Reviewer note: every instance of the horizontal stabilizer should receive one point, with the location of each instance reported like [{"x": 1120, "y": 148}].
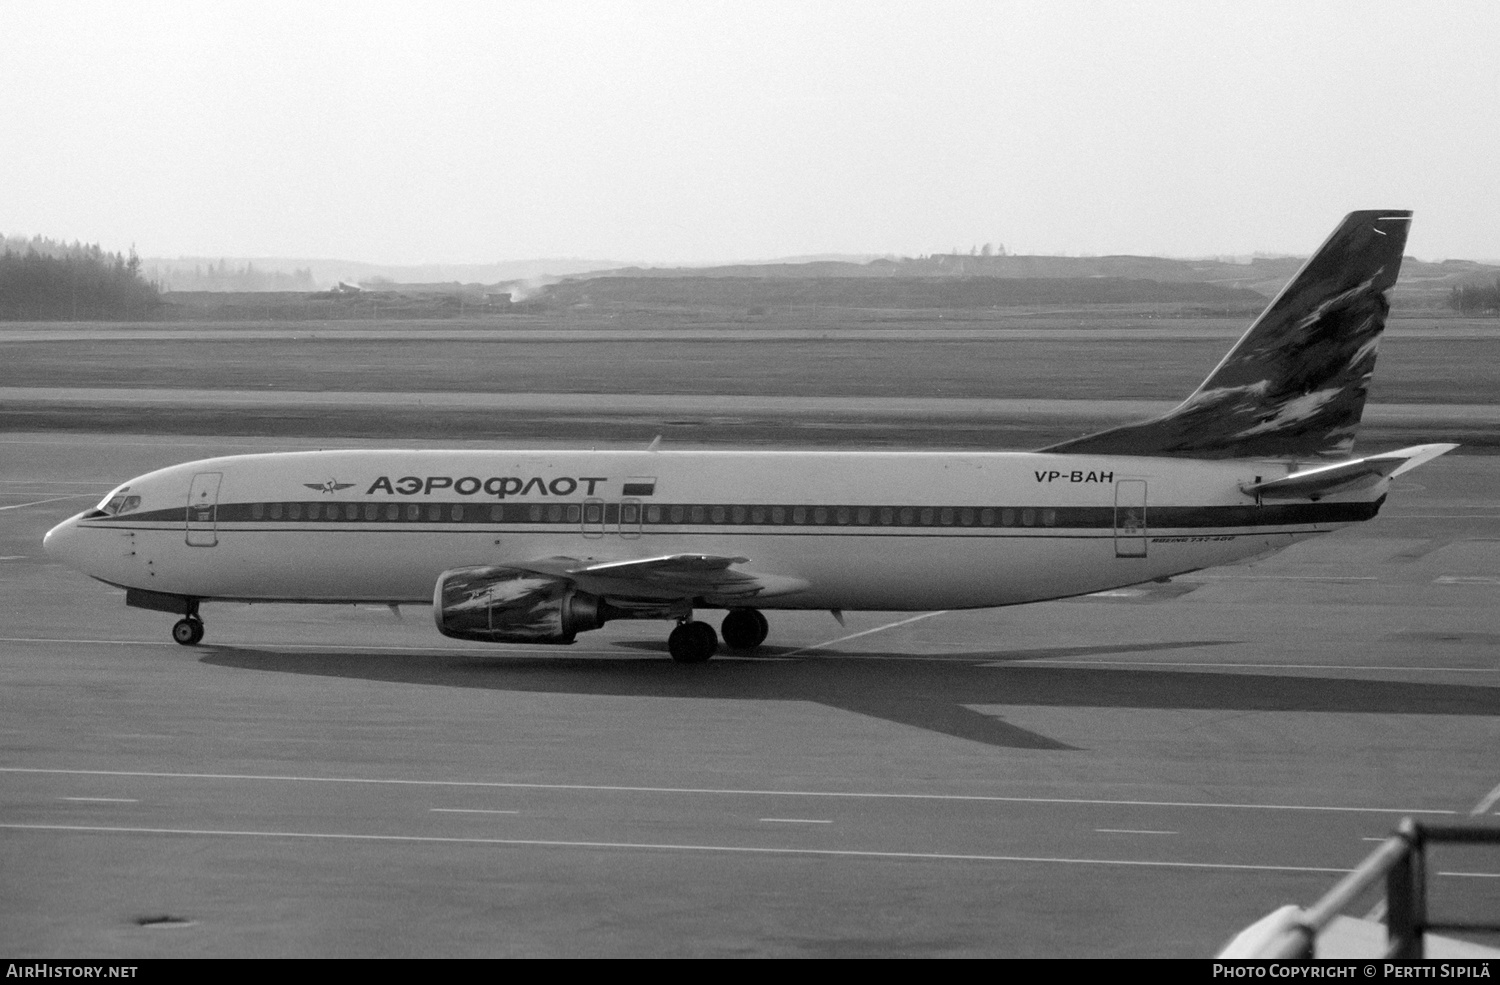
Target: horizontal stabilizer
[{"x": 1348, "y": 476}]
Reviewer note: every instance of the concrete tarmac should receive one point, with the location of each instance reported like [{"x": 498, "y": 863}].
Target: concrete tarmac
[{"x": 1142, "y": 772}]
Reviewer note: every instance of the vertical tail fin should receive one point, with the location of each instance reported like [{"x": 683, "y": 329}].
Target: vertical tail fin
[{"x": 1295, "y": 383}]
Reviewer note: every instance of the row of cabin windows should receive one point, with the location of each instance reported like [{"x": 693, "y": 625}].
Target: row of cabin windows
[
  {"x": 632, "y": 513},
  {"x": 863, "y": 516}
]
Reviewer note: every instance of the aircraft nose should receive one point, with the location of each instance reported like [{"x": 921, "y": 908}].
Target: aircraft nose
[{"x": 61, "y": 542}]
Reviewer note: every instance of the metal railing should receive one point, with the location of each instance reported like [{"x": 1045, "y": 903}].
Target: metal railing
[{"x": 1402, "y": 862}]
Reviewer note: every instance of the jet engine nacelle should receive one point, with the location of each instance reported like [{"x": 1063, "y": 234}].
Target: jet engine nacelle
[{"x": 496, "y": 604}]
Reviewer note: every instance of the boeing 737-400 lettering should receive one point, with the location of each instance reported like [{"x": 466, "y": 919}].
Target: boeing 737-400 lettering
[{"x": 536, "y": 547}]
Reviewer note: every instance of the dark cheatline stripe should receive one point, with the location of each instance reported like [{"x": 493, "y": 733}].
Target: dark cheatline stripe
[{"x": 768, "y": 515}]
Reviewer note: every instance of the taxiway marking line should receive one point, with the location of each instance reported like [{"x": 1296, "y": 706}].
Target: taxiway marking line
[
  {"x": 793, "y": 820},
  {"x": 103, "y": 800},
  {"x": 54, "y": 499},
  {"x": 1180, "y": 663},
  {"x": 1131, "y": 831},
  {"x": 867, "y": 632},
  {"x": 1205, "y": 576},
  {"x": 13, "y": 557},
  {"x": 467, "y": 810},
  {"x": 1488, "y": 801},
  {"x": 454, "y": 651},
  {"x": 610, "y": 788},
  {"x": 667, "y": 846},
  {"x": 1472, "y": 875}
]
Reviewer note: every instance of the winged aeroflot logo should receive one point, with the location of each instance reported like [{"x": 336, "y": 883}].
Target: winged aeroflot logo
[{"x": 331, "y": 486}]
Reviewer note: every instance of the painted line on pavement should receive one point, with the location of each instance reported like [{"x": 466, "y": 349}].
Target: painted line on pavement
[
  {"x": 54, "y": 499},
  {"x": 1260, "y": 666},
  {"x": 611, "y": 788},
  {"x": 855, "y": 636},
  {"x": 1486, "y": 802},
  {"x": 668, "y": 846}
]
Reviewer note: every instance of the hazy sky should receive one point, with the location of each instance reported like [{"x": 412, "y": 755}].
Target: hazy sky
[{"x": 656, "y": 131}]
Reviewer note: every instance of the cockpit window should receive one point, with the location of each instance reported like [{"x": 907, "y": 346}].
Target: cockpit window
[{"x": 119, "y": 502}]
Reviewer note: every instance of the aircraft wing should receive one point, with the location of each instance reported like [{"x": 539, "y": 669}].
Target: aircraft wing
[
  {"x": 668, "y": 576},
  {"x": 1346, "y": 476}
]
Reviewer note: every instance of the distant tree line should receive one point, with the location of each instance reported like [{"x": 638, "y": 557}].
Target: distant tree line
[
  {"x": 1473, "y": 299},
  {"x": 45, "y": 280},
  {"x": 222, "y": 276}
]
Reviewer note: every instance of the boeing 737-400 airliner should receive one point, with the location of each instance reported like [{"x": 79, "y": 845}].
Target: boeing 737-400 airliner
[{"x": 536, "y": 547}]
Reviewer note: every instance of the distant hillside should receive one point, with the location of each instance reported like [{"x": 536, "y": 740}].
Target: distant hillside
[
  {"x": 188, "y": 272},
  {"x": 749, "y": 293},
  {"x": 1422, "y": 283}
]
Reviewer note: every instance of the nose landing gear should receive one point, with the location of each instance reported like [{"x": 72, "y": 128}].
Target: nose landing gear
[{"x": 188, "y": 631}]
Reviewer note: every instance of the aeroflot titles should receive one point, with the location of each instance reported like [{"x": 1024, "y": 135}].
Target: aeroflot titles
[
  {"x": 497, "y": 486},
  {"x": 510, "y": 485}
]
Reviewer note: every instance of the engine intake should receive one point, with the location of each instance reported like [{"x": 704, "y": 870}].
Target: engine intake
[{"x": 496, "y": 604}]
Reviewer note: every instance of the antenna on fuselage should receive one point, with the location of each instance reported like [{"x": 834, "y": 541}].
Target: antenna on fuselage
[{"x": 655, "y": 443}]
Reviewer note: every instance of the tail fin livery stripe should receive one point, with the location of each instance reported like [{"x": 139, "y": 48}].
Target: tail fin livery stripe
[{"x": 1295, "y": 383}]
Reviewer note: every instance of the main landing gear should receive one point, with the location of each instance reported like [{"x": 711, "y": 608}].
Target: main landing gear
[
  {"x": 693, "y": 642},
  {"x": 744, "y": 629},
  {"x": 188, "y": 630}
]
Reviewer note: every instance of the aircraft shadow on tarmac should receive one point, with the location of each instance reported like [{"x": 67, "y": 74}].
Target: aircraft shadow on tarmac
[{"x": 927, "y": 693}]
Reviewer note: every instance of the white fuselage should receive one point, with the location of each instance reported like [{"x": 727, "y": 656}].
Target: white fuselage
[{"x": 851, "y": 530}]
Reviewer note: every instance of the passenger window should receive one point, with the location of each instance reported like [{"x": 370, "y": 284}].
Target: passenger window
[
  {"x": 535, "y": 512},
  {"x": 313, "y": 510},
  {"x": 351, "y": 511},
  {"x": 574, "y": 512},
  {"x": 863, "y": 517},
  {"x": 413, "y": 511},
  {"x": 927, "y": 516},
  {"x": 434, "y": 512},
  {"x": 555, "y": 513},
  {"x": 653, "y": 514},
  {"x": 946, "y": 516},
  {"x": 294, "y": 511},
  {"x": 758, "y": 514},
  {"x": 696, "y": 514},
  {"x": 372, "y": 511},
  {"x": 887, "y": 515},
  {"x": 987, "y": 517},
  {"x": 593, "y": 513},
  {"x": 458, "y": 511},
  {"x": 718, "y": 514},
  {"x": 1008, "y": 518},
  {"x": 907, "y": 516},
  {"x": 392, "y": 511},
  {"x": 497, "y": 512},
  {"x": 1028, "y": 518},
  {"x": 276, "y": 511},
  {"x": 966, "y": 517},
  {"x": 1049, "y": 518},
  {"x": 257, "y": 511},
  {"x": 778, "y": 514},
  {"x": 799, "y": 514},
  {"x": 820, "y": 515}
]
